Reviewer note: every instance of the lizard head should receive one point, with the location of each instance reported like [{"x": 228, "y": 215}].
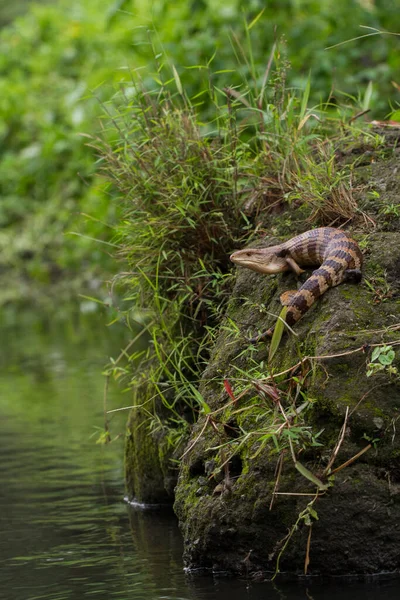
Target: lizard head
[{"x": 263, "y": 260}]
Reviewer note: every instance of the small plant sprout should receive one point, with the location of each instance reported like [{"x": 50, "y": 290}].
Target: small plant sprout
[{"x": 382, "y": 360}]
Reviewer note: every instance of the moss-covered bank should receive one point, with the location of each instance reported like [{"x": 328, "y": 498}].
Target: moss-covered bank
[
  {"x": 356, "y": 530},
  {"x": 231, "y": 515}
]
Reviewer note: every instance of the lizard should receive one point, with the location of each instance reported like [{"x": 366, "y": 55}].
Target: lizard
[{"x": 338, "y": 256}]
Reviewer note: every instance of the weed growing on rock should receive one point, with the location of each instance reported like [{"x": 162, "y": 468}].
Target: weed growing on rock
[{"x": 382, "y": 360}]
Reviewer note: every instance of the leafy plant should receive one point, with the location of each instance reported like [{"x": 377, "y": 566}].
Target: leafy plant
[
  {"x": 391, "y": 210},
  {"x": 380, "y": 287},
  {"x": 382, "y": 360}
]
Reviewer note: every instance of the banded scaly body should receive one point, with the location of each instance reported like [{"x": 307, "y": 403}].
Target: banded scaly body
[{"x": 338, "y": 255}]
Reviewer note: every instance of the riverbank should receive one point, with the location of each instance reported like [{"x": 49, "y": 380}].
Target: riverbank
[{"x": 241, "y": 470}]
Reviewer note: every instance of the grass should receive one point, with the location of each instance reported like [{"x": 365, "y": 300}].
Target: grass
[{"x": 183, "y": 215}]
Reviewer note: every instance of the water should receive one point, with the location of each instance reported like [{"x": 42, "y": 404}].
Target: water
[{"x": 65, "y": 531}]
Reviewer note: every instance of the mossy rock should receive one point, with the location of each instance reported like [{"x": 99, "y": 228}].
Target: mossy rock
[
  {"x": 228, "y": 521},
  {"x": 150, "y": 474}
]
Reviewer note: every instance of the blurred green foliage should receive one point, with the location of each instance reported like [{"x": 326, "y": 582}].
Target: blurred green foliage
[
  {"x": 193, "y": 30},
  {"x": 59, "y": 60},
  {"x": 51, "y": 60},
  {"x": 10, "y": 10}
]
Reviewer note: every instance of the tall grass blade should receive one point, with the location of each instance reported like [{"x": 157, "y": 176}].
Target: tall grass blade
[
  {"x": 177, "y": 80},
  {"x": 256, "y": 18},
  {"x": 305, "y": 97},
  {"x": 367, "y": 96},
  {"x": 278, "y": 332}
]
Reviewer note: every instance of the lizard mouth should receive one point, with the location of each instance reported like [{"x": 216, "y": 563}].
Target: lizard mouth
[{"x": 269, "y": 268}]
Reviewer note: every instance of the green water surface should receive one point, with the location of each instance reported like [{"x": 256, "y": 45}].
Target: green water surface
[{"x": 66, "y": 532}]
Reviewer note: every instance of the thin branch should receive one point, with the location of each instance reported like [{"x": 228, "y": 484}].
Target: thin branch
[
  {"x": 352, "y": 459},
  {"x": 307, "y": 559},
  {"x": 295, "y": 494},
  {"x": 106, "y": 424},
  {"x": 339, "y": 443},
  {"x": 192, "y": 445},
  {"x": 278, "y": 476}
]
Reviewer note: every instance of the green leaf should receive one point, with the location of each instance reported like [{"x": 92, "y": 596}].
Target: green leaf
[
  {"x": 367, "y": 96},
  {"x": 278, "y": 332},
  {"x": 94, "y": 300},
  {"x": 276, "y": 444},
  {"x": 306, "y": 95},
  {"x": 386, "y": 359},
  {"x": 254, "y": 21},
  {"x": 313, "y": 513},
  {"x": 395, "y": 116},
  {"x": 310, "y": 476},
  {"x": 374, "y": 368},
  {"x": 177, "y": 80},
  {"x": 376, "y": 353},
  {"x": 199, "y": 398}
]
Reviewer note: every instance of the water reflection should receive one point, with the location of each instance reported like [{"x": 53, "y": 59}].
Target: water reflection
[{"x": 65, "y": 531}]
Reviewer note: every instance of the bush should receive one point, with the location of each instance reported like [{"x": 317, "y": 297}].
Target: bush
[{"x": 52, "y": 62}]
